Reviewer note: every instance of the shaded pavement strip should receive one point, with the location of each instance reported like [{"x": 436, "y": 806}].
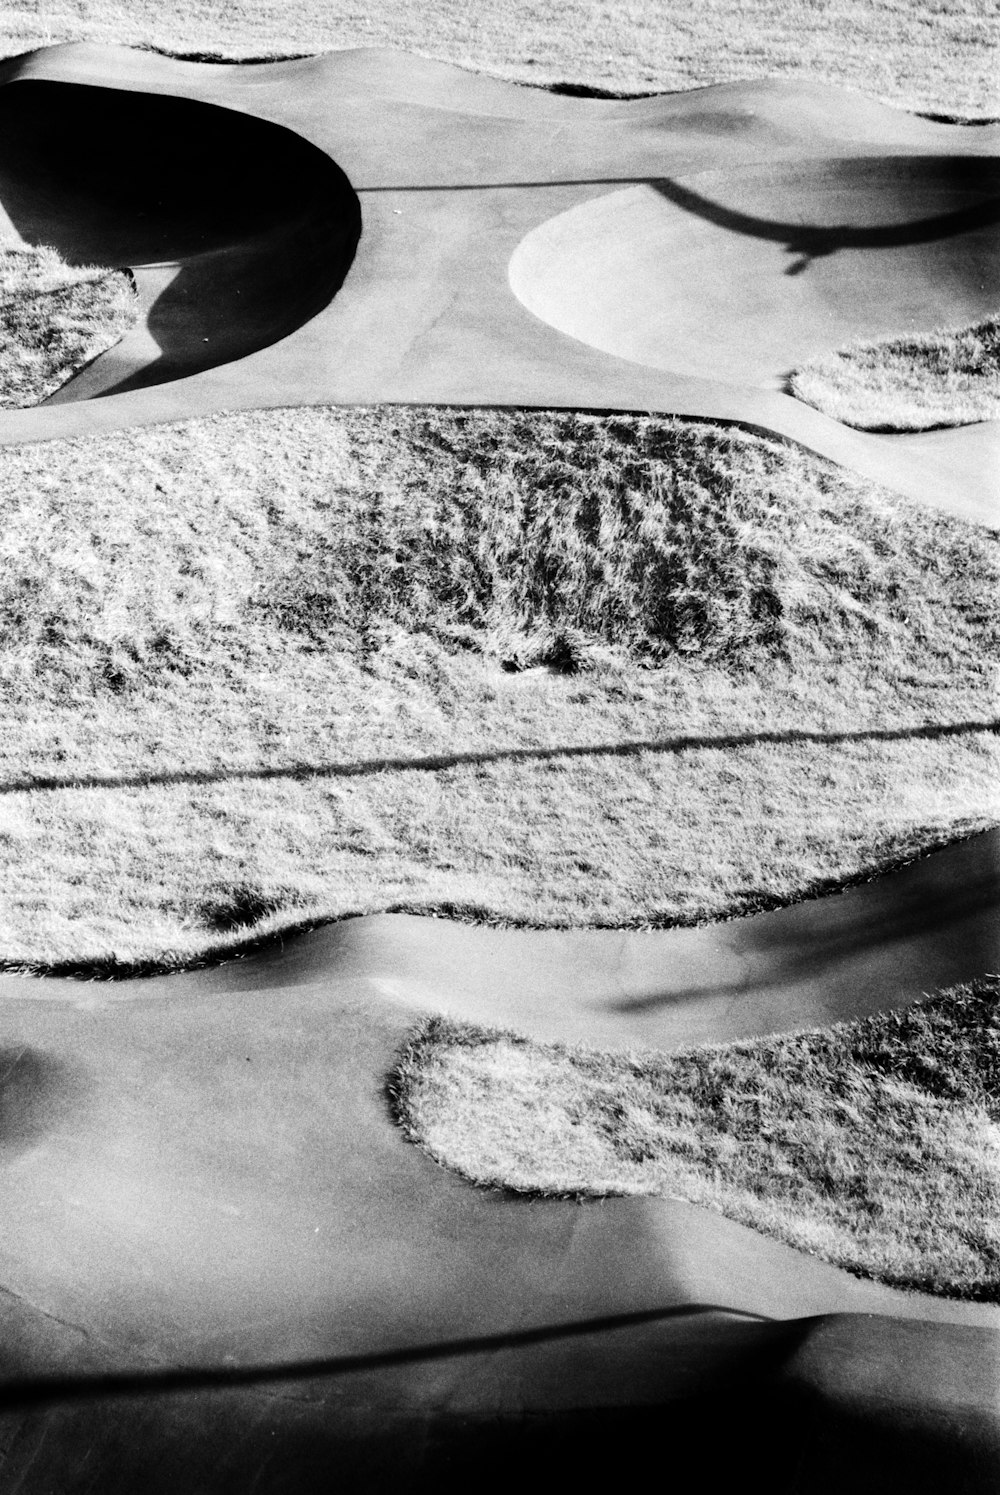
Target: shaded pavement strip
[
  {"x": 36, "y": 1390},
  {"x": 437, "y": 762}
]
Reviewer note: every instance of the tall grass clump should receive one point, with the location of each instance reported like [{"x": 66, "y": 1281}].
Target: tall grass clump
[
  {"x": 56, "y": 318},
  {"x": 527, "y": 536},
  {"x": 943, "y": 378},
  {"x": 538, "y": 535}
]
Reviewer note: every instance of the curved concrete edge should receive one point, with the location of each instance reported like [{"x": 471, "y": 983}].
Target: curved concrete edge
[
  {"x": 752, "y": 271},
  {"x": 161, "y": 1208},
  {"x": 879, "y": 946},
  {"x": 406, "y": 77},
  {"x": 874, "y": 947},
  {"x": 451, "y": 182},
  {"x": 244, "y": 1210},
  {"x": 246, "y": 1202},
  {"x": 191, "y": 1115},
  {"x": 187, "y": 1181}
]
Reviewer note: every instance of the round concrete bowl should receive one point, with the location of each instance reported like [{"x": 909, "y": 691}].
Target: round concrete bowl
[
  {"x": 238, "y": 231},
  {"x": 741, "y": 276}
]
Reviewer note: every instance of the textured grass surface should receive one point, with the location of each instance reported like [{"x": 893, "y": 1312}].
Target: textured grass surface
[
  {"x": 253, "y": 673},
  {"x": 54, "y": 319},
  {"x": 939, "y": 57},
  {"x": 909, "y": 383},
  {"x": 874, "y": 1145}
]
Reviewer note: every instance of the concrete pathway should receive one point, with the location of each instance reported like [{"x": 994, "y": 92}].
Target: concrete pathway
[
  {"x": 676, "y": 254},
  {"x": 221, "y": 1267}
]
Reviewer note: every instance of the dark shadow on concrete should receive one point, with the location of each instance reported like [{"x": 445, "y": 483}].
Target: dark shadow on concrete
[
  {"x": 814, "y": 241},
  {"x": 498, "y": 186},
  {"x": 769, "y": 1436},
  {"x": 442, "y": 761},
  {"x": 35, "y": 1390},
  {"x": 261, "y": 225},
  {"x": 811, "y": 944},
  {"x": 763, "y": 1436}
]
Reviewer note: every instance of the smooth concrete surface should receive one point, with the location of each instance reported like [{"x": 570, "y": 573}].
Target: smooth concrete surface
[
  {"x": 757, "y": 270},
  {"x": 465, "y": 183},
  {"x": 223, "y": 1268},
  {"x": 879, "y": 946}
]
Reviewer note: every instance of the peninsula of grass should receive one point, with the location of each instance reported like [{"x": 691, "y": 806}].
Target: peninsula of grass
[
  {"x": 874, "y": 1145},
  {"x": 56, "y": 318},
  {"x": 523, "y": 667},
  {"x": 908, "y": 383}
]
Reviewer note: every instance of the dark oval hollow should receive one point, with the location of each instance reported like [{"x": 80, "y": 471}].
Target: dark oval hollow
[
  {"x": 37, "y": 1091},
  {"x": 239, "y": 231}
]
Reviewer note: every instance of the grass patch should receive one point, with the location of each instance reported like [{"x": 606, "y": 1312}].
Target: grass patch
[
  {"x": 874, "y": 1145},
  {"x": 527, "y": 667},
  {"x": 935, "y": 58},
  {"x": 908, "y": 383},
  {"x": 55, "y": 319}
]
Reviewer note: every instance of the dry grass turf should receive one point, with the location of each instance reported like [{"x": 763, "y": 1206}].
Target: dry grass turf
[
  {"x": 939, "y": 58},
  {"x": 527, "y": 667},
  {"x": 944, "y": 378},
  {"x": 54, "y": 319},
  {"x": 874, "y": 1145}
]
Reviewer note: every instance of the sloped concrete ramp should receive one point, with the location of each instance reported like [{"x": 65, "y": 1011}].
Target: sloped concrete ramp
[
  {"x": 224, "y": 1269},
  {"x": 674, "y": 254},
  {"x": 221, "y": 1267}
]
